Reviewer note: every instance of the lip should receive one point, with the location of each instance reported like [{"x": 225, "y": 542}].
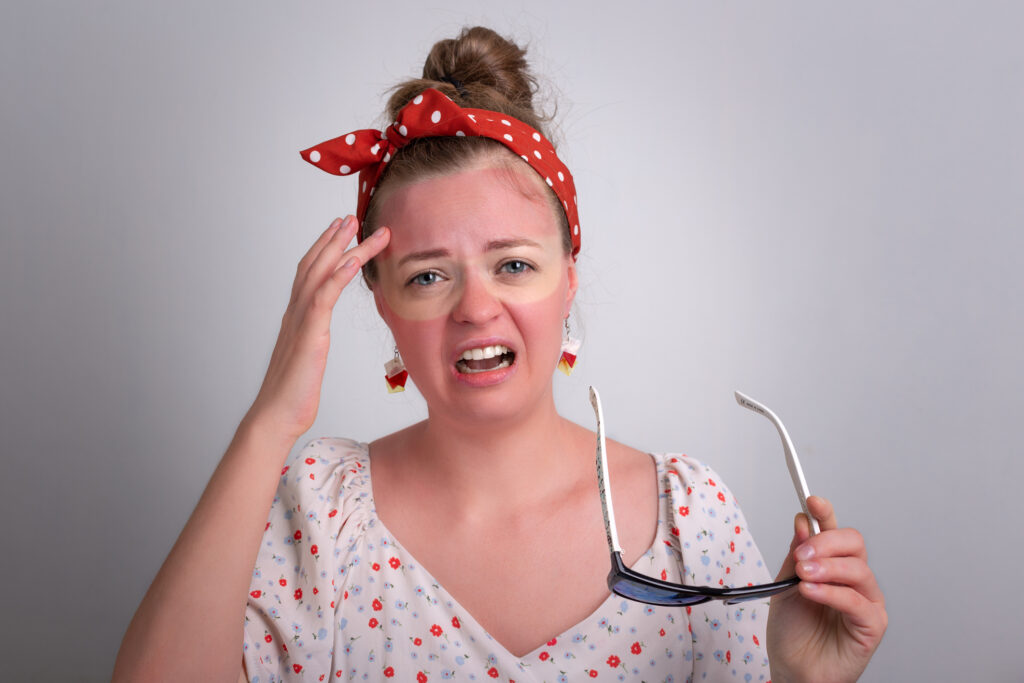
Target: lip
[{"x": 491, "y": 377}]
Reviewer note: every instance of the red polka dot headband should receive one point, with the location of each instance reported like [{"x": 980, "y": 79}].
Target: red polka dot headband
[{"x": 434, "y": 114}]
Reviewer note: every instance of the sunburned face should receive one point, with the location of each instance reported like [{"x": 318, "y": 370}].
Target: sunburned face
[{"x": 474, "y": 285}]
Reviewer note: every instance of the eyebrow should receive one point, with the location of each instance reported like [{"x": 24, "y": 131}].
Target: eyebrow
[{"x": 493, "y": 245}]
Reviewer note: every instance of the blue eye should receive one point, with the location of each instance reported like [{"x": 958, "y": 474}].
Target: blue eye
[
  {"x": 425, "y": 279},
  {"x": 515, "y": 267}
]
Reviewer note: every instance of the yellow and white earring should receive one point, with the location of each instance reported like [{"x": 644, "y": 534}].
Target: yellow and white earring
[
  {"x": 570, "y": 349},
  {"x": 395, "y": 374}
]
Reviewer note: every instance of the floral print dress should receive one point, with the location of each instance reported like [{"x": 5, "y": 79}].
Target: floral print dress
[{"x": 334, "y": 596}]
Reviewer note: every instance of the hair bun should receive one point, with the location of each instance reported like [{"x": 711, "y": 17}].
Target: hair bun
[{"x": 491, "y": 72}]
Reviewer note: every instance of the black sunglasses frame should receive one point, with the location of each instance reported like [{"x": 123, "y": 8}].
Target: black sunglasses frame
[{"x": 638, "y": 587}]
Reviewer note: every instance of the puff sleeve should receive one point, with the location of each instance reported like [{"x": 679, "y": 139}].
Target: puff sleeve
[
  {"x": 716, "y": 548},
  {"x": 289, "y": 619}
]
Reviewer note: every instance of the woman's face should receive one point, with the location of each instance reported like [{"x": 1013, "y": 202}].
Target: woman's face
[{"x": 474, "y": 285}]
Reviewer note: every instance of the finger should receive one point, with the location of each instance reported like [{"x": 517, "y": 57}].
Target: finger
[
  {"x": 341, "y": 277},
  {"x": 328, "y": 259},
  {"x": 833, "y": 543},
  {"x": 371, "y": 246},
  {"x": 313, "y": 252},
  {"x": 842, "y": 571},
  {"x": 801, "y": 532},
  {"x": 862, "y": 614},
  {"x": 822, "y": 510}
]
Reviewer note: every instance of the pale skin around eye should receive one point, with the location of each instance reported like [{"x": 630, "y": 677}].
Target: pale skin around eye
[{"x": 523, "y": 271}]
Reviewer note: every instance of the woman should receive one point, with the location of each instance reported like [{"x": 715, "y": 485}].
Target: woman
[{"x": 476, "y": 548}]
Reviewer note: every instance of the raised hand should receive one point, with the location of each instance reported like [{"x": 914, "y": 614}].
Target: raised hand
[
  {"x": 827, "y": 629},
  {"x": 289, "y": 398}
]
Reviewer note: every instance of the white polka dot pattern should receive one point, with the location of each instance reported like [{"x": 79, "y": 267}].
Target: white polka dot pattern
[{"x": 432, "y": 114}]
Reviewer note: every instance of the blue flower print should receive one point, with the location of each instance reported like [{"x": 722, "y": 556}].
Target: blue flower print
[
  {"x": 715, "y": 624},
  {"x": 322, "y": 634},
  {"x": 705, "y": 560},
  {"x": 603, "y": 623},
  {"x": 719, "y": 656}
]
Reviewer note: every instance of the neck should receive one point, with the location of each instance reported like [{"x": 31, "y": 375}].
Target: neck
[{"x": 488, "y": 471}]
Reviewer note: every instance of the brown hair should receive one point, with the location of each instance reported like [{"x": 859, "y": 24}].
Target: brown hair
[{"x": 491, "y": 73}]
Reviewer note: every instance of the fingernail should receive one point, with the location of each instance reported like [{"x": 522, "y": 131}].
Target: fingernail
[
  {"x": 347, "y": 223},
  {"x": 804, "y": 552},
  {"x": 809, "y": 568},
  {"x": 380, "y": 232}
]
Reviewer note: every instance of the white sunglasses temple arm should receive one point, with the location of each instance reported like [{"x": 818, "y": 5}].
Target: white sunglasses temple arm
[
  {"x": 602, "y": 477},
  {"x": 792, "y": 462}
]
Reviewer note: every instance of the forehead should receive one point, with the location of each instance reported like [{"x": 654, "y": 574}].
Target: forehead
[{"x": 468, "y": 208}]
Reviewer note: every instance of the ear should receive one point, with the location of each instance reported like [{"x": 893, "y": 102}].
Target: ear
[{"x": 574, "y": 283}]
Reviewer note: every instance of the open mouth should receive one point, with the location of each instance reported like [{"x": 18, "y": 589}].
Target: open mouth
[{"x": 485, "y": 359}]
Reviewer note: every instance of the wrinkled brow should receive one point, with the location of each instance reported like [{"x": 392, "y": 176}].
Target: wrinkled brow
[{"x": 493, "y": 245}]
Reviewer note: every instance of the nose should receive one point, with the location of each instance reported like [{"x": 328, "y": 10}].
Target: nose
[{"x": 476, "y": 303}]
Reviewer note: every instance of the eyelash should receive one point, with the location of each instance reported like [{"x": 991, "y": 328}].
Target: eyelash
[{"x": 416, "y": 280}]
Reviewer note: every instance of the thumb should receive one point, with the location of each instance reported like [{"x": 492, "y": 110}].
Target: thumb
[{"x": 801, "y": 532}]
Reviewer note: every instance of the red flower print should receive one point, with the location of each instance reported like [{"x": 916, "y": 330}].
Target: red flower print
[
  {"x": 311, "y": 476},
  {"x": 313, "y": 550},
  {"x": 635, "y": 648},
  {"x": 737, "y": 529},
  {"x": 688, "y": 609},
  {"x": 373, "y": 622},
  {"x": 298, "y": 534},
  {"x": 492, "y": 672},
  {"x": 732, "y": 546},
  {"x": 721, "y": 496},
  {"x": 593, "y": 673},
  {"x": 268, "y": 638},
  {"x": 285, "y": 469},
  {"x": 395, "y": 563},
  {"x": 417, "y": 642},
  {"x": 664, "y": 575},
  {"x": 283, "y": 582},
  {"x": 310, "y": 461},
  {"x": 435, "y": 630},
  {"x": 613, "y": 661},
  {"x": 332, "y": 512},
  {"x": 376, "y": 567},
  {"x": 256, "y": 594},
  {"x": 552, "y": 642},
  {"x": 284, "y": 647},
  {"x": 346, "y": 596},
  {"x": 728, "y": 570},
  {"x": 267, "y": 526},
  {"x": 421, "y": 677},
  {"x": 544, "y": 656},
  {"x": 455, "y": 622},
  {"x": 689, "y": 490},
  {"x": 298, "y": 593},
  {"x": 675, "y": 531},
  {"x": 377, "y": 606},
  {"x": 296, "y": 668},
  {"x": 315, "y": 590},
  {"x": 684, "y": 510},
  {"x": 711, "y": 481},
  {"x": 756, "y": 641},
  {"x": 389, "y": 672},
  {"x": 332, "y": 604},
  {"x": 337, "y": 674},
  {"x": 661, "y": 632}
]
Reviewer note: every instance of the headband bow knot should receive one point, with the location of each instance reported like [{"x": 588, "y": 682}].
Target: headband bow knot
[{"x": 434, "y": 114}]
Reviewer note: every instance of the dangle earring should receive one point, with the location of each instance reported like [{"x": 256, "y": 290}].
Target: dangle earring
[
  {"x": 395, "y": 374},
  {"x": 570, "y": 348}
]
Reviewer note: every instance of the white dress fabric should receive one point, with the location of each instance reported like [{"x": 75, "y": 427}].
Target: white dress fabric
[{"x": 335, "y": 596}]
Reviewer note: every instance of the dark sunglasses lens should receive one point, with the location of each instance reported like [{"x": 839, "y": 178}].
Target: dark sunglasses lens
[{"x": 654, "y": 595}]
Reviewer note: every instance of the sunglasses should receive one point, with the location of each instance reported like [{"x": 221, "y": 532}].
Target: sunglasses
[{"x": 642, "y": 588}]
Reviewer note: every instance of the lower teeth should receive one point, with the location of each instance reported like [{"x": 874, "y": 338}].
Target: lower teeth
[{"x": 506, "y": 360}]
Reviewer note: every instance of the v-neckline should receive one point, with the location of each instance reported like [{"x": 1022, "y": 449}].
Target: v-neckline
[{"x": 400, "y": 547}]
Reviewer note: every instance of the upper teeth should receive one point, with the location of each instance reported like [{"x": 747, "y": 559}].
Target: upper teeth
[{"x": 484, "y": 352}]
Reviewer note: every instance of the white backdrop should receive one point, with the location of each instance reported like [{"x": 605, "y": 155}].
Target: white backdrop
[{"x": 820, "y": 205}]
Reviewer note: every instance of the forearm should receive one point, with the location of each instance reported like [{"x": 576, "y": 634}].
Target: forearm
[{"x": 189, "y": 624}]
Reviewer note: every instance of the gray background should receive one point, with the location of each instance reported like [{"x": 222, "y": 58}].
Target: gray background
[{"x": 818, "y": 204}]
